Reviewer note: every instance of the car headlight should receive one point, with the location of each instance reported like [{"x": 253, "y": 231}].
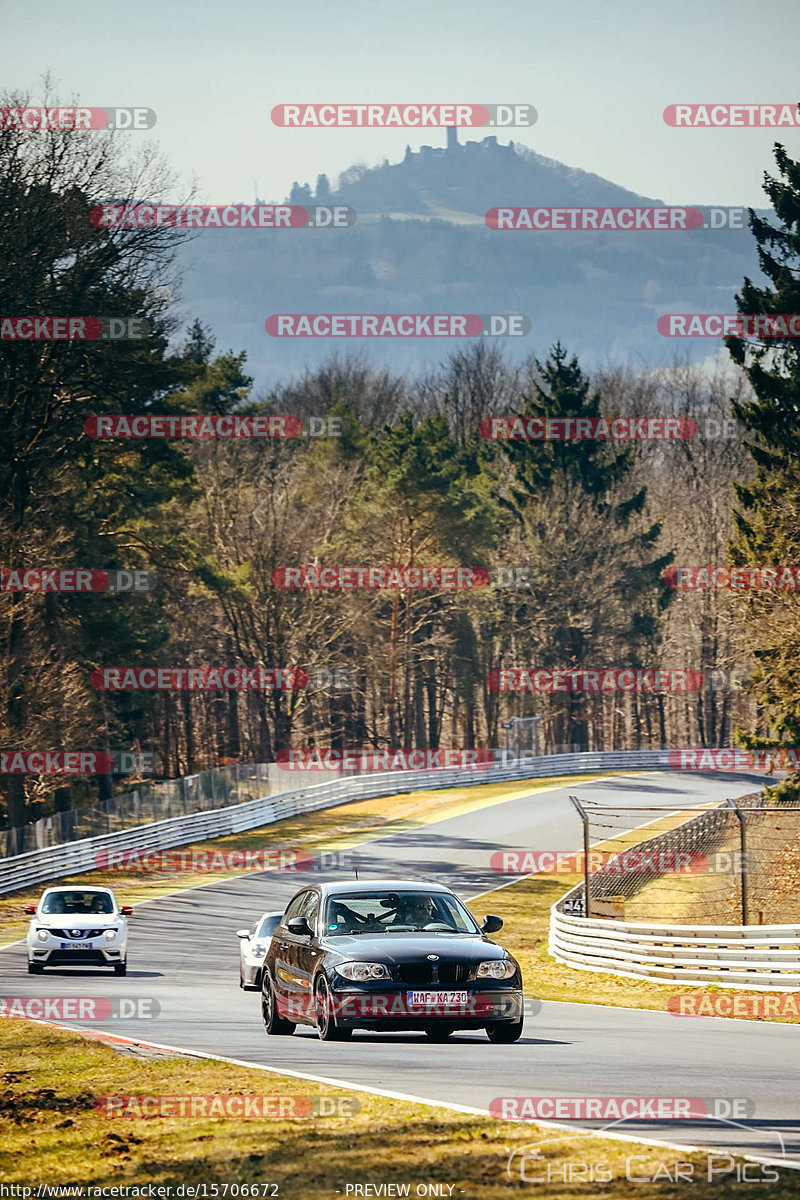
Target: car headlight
[
  {"x": 42, "y": 935},
  {"x": 497, "y": 968},
  {"x": 110, "y": 934},
  {"x": 360, "y": 972}
]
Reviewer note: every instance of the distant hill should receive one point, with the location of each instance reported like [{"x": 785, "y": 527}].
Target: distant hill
[
  {"x": 421, "y": 245},
  {"x": 469, "y": 180}
]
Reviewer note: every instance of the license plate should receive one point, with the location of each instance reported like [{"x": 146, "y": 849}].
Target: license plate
[
  {"x": 76, "y": 946},
  {"x": 436, "y": 999}
]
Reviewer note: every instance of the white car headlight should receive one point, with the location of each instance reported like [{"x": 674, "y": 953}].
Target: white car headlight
[
  {"x": 361, "y": 972},
  {"x": 110, "y": 934},
  {"x": 42, "y": 935},
  {"x": 496, "y": 968}
]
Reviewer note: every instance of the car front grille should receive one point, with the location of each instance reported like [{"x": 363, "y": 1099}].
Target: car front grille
[
  {"x": 69, "y": 936},
  {"x": 453, "y": 972},
  {"x": 421, "y": 973},
  {"x": 76, "y": 956}
]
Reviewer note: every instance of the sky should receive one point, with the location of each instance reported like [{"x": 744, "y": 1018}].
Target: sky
[{"x": 599, "y": 76}]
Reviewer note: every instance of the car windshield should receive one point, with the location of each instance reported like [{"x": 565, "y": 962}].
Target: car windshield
[
  {"x": 267, "y": 926},
  {"x": 77, "y": 903},
  {"x": 396, "y": 912}
]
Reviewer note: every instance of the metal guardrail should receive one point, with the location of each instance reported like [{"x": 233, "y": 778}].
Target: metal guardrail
[
  {"x": 71, "y": 858},
  {"x": 765, "y": 957}
]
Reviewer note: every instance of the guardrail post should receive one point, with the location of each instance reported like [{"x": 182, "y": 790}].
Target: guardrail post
[
  {"x": 584, "y": 816},
  {"x": 743, "y": 854}
]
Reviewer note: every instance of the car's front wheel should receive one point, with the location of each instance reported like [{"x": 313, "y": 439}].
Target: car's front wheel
[
  {"x": 327, "y": 1029},
  {"x": 35, "y": 968},
  {"x": 503, "y": 1032},
  {"x": 273, "y": 1024}
]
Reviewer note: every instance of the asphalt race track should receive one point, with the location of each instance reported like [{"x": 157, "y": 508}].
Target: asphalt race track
[{"x": 184, "y": 953}]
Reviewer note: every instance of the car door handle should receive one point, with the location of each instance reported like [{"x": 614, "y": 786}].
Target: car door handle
[{"x": 284, "y": 945}]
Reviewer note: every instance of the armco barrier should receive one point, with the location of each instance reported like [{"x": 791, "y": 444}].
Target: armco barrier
[
  {"x": 765, "y": 957},
  {"x": 70, "y": 858}
]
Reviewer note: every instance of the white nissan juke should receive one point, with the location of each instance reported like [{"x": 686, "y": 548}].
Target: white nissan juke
[{"x": 78, "y": 926}]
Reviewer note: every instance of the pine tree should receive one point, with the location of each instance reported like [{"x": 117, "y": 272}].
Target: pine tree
[{"x": 766, "y": 520}]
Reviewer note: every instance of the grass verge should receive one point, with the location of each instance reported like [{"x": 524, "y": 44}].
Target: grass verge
[{"x": 54, "y": 1135}]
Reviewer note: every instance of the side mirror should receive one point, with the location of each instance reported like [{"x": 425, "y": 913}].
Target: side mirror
[
  {"x": 491, "y": 923},
  {"x": 126, "y": 910},
  {"x": 243, "y": 933},
  {"x": 300, "y": 927},
  {"x": 30, "y": 909}
]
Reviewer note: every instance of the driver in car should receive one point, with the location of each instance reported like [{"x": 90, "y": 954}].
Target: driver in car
[{"x": 414, "y": 910}]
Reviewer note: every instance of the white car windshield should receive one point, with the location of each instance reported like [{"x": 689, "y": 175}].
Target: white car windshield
[
  {"x": 82, "y": 904},
  {"x": 267, "y": 927},
  {"x": 397, "y": 912}
]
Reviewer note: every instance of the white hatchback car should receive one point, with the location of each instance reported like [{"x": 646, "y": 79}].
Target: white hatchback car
[
  {"x": 253, "y": 945},
  {"x": 80, "y": 926}
]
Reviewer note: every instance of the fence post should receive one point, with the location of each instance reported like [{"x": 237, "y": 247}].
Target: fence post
[
  {"x": 585, "y": 819},
  {"x": 743, "y": 855}
]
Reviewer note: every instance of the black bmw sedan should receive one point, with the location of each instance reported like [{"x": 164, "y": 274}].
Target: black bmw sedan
[{"x": 388, "y": 956}]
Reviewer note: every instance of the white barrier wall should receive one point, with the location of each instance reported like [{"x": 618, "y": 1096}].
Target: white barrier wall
[
  {"x": 766, "y": 957},
  {"x": 70, "y": 858}
]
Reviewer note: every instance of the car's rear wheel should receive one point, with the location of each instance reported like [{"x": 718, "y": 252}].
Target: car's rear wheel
[
  {"x": 273, "y": 1024},
  {"x": 439, "y": 1033},
  {"x": 503, "y": 1032},
  {"x": 121, "y": 968},
  {"x": 325, "y": 1019},
  {"x": 35, "y": 968}
]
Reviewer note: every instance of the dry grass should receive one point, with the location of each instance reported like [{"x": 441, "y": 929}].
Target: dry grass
[{"x": 54, "y": 1135}]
